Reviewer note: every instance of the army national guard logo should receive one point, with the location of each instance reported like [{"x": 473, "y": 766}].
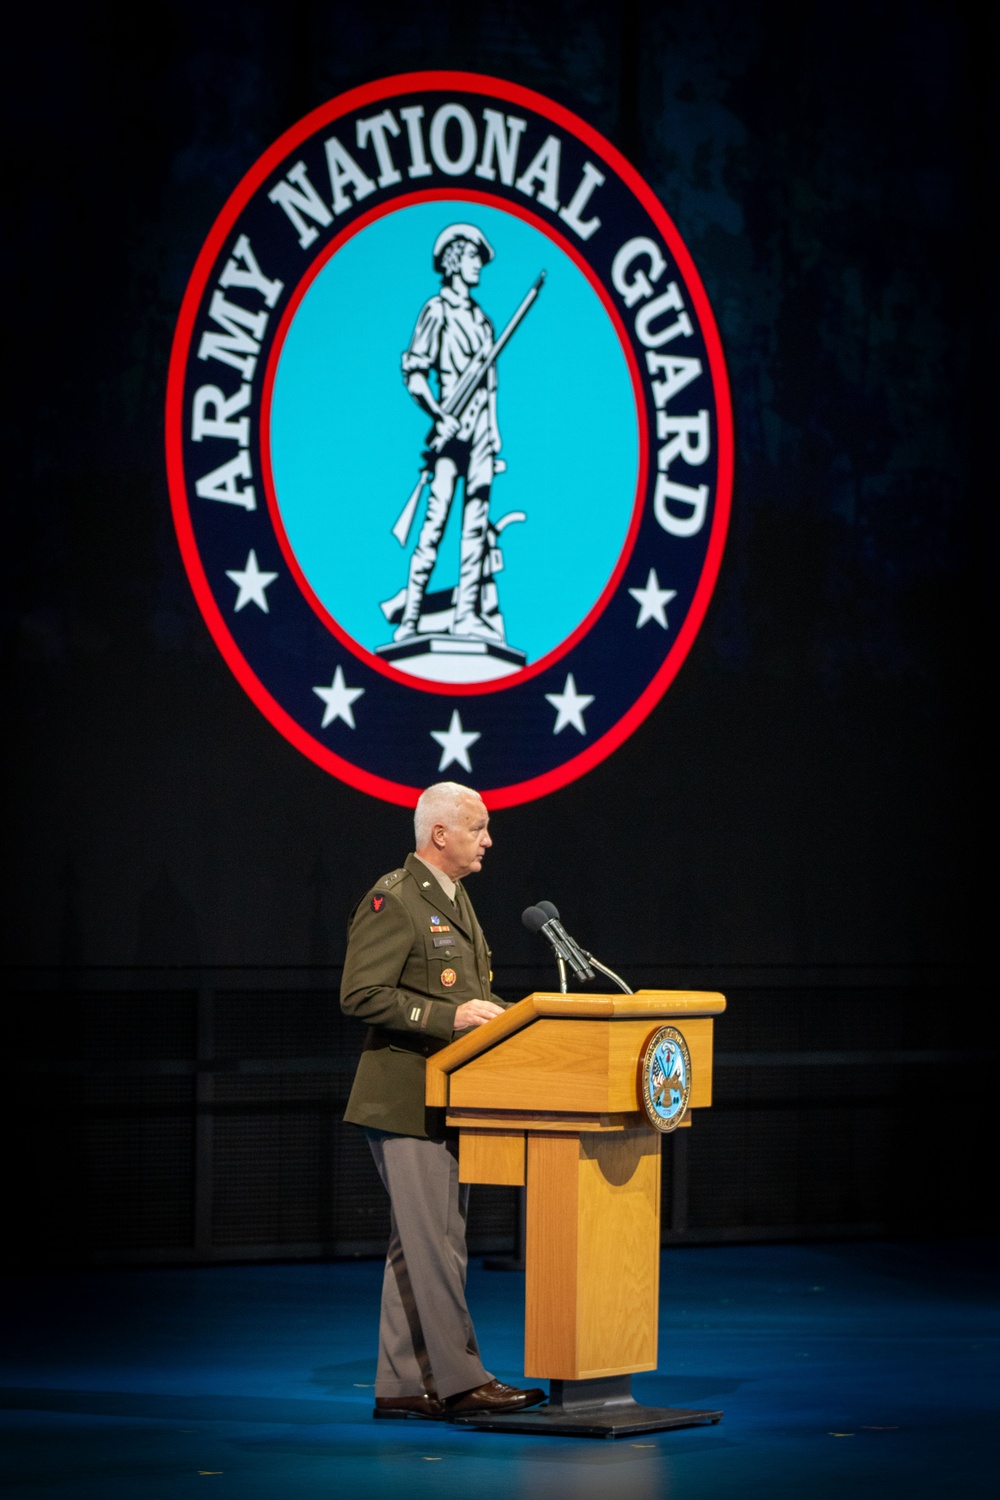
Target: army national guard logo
[
  {"x": 666, "y": 1078},
  {"x": 449, "y": 439}
]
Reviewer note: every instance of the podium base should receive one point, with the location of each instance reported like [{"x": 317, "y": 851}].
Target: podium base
[{"x": 590, "y": 1408}]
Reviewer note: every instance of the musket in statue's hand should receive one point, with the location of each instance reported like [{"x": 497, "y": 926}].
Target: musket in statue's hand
[{"x": 445, "y": 429}]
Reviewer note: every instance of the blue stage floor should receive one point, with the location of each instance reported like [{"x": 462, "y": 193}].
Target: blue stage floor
[{"x": 847, "y": 1370}]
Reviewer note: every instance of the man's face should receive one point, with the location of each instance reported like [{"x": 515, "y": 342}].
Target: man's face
[
  {"x": 466, "y": 839},
  {"x": 470, "y": 265}
]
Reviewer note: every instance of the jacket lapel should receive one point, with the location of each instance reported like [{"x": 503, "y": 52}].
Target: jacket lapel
[
  {"x": 472, "y": 928},
  {"x": 435, "y": 896}
]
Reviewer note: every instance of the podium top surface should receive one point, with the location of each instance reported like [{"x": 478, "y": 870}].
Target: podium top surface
[{"x": 645, "y": 1005}]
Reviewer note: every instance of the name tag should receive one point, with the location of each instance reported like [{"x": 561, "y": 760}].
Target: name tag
[{"x": 442, "y": 942}]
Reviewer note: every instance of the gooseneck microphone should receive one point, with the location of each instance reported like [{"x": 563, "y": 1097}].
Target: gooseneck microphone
[{"x": 544, "y": 917}]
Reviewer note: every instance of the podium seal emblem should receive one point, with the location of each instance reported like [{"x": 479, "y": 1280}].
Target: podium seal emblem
[
  {"x": 666, "y": 1078},
  {"x": 449, "y": 439}
]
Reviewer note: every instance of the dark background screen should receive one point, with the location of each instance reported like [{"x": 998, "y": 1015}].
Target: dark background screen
[{"x": 796, "y": 822}]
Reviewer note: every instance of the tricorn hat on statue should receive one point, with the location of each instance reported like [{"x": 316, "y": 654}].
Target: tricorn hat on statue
[{"x": 461, "y": 232}]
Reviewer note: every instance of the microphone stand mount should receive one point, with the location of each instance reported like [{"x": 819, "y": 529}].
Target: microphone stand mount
[
  {"x": 619, "y": 981},
  {"x": 595, "y": 963}
]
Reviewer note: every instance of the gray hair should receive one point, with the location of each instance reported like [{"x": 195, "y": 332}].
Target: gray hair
[{"x": 440, "y": 803}]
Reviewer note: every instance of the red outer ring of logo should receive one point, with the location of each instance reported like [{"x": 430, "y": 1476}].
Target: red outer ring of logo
[{"x": 326, "y": 759}]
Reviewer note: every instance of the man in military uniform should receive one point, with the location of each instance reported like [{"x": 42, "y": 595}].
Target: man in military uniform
[
  {"x": 418, "y": 971},
  {"x": 451, "y": 330}
]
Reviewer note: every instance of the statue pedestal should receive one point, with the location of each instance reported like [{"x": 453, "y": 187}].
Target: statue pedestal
[{"x": 452, "y": 658}]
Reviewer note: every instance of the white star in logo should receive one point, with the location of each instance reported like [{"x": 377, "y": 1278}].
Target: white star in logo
[
  {"x": 252, "y": 583},
  {"x": 338, "y": 698},
  {"x": 455, "y": 742},
  {"x": 652, "y": 601},
  {"x": 570, "y": 704}
]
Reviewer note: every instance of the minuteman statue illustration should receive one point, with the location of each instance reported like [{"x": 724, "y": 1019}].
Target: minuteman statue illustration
[{"x": 450, "y": 371}]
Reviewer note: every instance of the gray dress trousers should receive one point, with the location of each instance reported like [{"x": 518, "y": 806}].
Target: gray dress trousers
[{"x": 426, "y": 1338}]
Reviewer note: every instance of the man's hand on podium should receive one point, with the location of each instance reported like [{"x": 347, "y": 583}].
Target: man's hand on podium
[{"x": 475, "y": 1013}]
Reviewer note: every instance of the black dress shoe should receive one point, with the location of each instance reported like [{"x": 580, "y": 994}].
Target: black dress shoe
[
  {"x": 491, "y": 1397},
  {"x": 428, "y": 1407}
]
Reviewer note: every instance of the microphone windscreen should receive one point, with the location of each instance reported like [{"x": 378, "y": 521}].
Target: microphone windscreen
[
  {"x": 551, "y": 912},
  {"x": 534, "y": 918}
]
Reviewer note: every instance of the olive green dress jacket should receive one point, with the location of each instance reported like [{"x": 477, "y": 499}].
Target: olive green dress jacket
[{"x": 413, "y": 957}]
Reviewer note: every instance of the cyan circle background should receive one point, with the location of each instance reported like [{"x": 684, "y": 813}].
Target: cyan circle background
[{"x": 346, "y": 436}]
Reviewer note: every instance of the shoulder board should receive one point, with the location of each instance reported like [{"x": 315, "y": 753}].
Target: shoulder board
[{"x": 386, "y": 883}]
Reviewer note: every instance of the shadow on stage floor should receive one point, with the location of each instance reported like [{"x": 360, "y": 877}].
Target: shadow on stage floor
[{"x": 850, "y": 1370}]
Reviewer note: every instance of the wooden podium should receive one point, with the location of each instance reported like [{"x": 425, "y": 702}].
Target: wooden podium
[{"x": 549, "y": 1096}]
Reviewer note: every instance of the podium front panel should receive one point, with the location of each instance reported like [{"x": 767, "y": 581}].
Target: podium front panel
[
  {"x": 592, "y": 1254},
  {"x": 575, "y": 1066}
]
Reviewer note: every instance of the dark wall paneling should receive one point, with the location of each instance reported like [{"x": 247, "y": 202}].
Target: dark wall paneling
[{"x": 833, "y": 1108}]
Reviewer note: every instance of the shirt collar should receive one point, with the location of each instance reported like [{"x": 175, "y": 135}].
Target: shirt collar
[
  {"x": 457, "y": 299},
  {"x": 443, "y": 880}
]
